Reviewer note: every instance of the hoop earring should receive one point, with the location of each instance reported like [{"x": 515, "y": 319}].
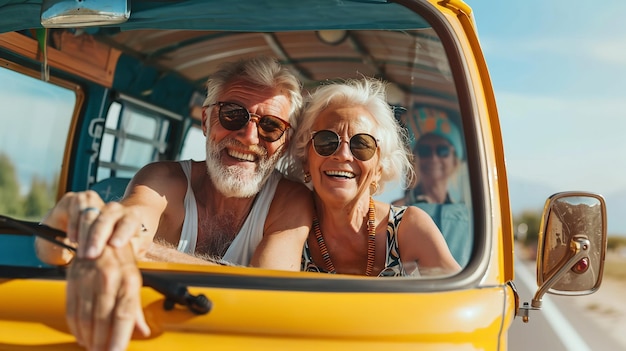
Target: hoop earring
[
  {"x": 307, "y": 177},
  {"x": 374, "y": 185}
]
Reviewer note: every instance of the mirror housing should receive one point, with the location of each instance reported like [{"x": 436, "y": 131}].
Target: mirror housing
[
  {"x": 572, "y": 245},
  {"x": 83, "y": 13}
]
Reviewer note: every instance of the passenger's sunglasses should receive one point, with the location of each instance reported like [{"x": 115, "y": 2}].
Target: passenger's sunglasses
[
  {"x": 426, "y": 151},
  {"x": 233, "y": 116},
  {"x": 326, "y": 142}
]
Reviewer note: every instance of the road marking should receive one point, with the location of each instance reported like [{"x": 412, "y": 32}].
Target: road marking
[{"x": 560, "y": 325}]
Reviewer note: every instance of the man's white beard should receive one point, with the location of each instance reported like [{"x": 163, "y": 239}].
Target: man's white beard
[{"x": 235, "y": 181}]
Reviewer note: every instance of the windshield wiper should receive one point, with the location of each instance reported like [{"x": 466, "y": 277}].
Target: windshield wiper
[{"x": 174, "y": 292}]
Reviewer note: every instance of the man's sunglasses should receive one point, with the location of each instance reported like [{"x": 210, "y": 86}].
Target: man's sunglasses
[
  {"x": 427, "y": 151},
  {"x": 326, "y": 142},
  {"x": 233, "y": 116}
]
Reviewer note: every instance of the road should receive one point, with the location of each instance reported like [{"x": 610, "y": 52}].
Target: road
[{"x": 560, "y": 325}]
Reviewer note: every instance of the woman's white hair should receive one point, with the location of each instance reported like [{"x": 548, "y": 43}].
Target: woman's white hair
[{"x": 395, "y": 155}]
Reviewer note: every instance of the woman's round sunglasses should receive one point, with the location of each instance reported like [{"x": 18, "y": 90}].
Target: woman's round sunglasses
[
  {"x": 326, "y": 142},
  {"x": 233, "y": 116}
]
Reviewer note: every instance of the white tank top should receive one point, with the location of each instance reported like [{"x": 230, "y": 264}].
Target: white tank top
[{"x": 243, "y": 246}]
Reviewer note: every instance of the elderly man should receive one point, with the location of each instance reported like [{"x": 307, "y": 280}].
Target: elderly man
[{"x": 234, "y": 207}]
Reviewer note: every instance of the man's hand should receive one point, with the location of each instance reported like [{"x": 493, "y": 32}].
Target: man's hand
[
  {"x": 103, "y": 299},
  {"x": 90, "y": 225}
]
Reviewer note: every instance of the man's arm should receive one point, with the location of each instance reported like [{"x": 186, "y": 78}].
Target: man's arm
[
  {"x": 162, "y": 251},
  {"x": 104, "y": 316},
  {"x": 103, "y": 302},
  {"x": 105, "y": 322},
  {"x": 133, "y": 220},
  {"x": 286, "y": 228}
]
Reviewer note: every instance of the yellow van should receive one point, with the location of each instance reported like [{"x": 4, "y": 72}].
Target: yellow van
[{"x": 93, "y": 90}]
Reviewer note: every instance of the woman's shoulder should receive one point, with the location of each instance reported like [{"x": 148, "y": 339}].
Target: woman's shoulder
[
  {"x": 413, "y": 210},
  {"x": 414, "y": 217}
]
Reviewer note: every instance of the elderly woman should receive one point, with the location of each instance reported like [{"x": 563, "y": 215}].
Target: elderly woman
[{"x": 349, "y": 145}]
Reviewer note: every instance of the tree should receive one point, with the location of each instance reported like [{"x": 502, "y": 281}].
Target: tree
[
  {"x": 54, "y": 188},
  {"x": 39, "y": 199},
  {"x": 532, "y": 220},
  {"x": 10, "y": 199}
]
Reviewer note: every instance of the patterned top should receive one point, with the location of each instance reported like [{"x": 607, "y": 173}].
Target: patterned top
[{"x": 393, "y": 264}]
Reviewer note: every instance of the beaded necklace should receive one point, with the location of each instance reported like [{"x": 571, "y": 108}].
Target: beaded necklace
[{"x": 371, "y": 241}]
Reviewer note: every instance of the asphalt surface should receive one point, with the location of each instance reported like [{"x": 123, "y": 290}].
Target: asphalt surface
[{"x": 560, "y": 325}]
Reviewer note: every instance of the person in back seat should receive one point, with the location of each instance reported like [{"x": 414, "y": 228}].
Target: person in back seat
[
  {"x": 234, "y": 207},
  {"x": 438, "y": 154}
]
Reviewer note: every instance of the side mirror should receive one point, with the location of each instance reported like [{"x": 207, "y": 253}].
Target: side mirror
[{"x": 572, "y": 246}]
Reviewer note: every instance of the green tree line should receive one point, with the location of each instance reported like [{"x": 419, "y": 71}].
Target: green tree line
[{"x": 40, "y": 197}]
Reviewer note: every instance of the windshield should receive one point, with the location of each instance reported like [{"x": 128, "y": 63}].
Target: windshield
[{"x": 149, "y": 109}]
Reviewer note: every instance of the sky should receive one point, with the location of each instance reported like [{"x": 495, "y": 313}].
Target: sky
[
  {"x": 50, "y": 114},
  {"x": 559, "y": 73}
]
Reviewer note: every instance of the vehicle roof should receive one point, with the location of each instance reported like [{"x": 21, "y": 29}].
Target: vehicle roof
[
  {"x": 190, "y": 39},
  {"x": 240, "y": 15}
]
